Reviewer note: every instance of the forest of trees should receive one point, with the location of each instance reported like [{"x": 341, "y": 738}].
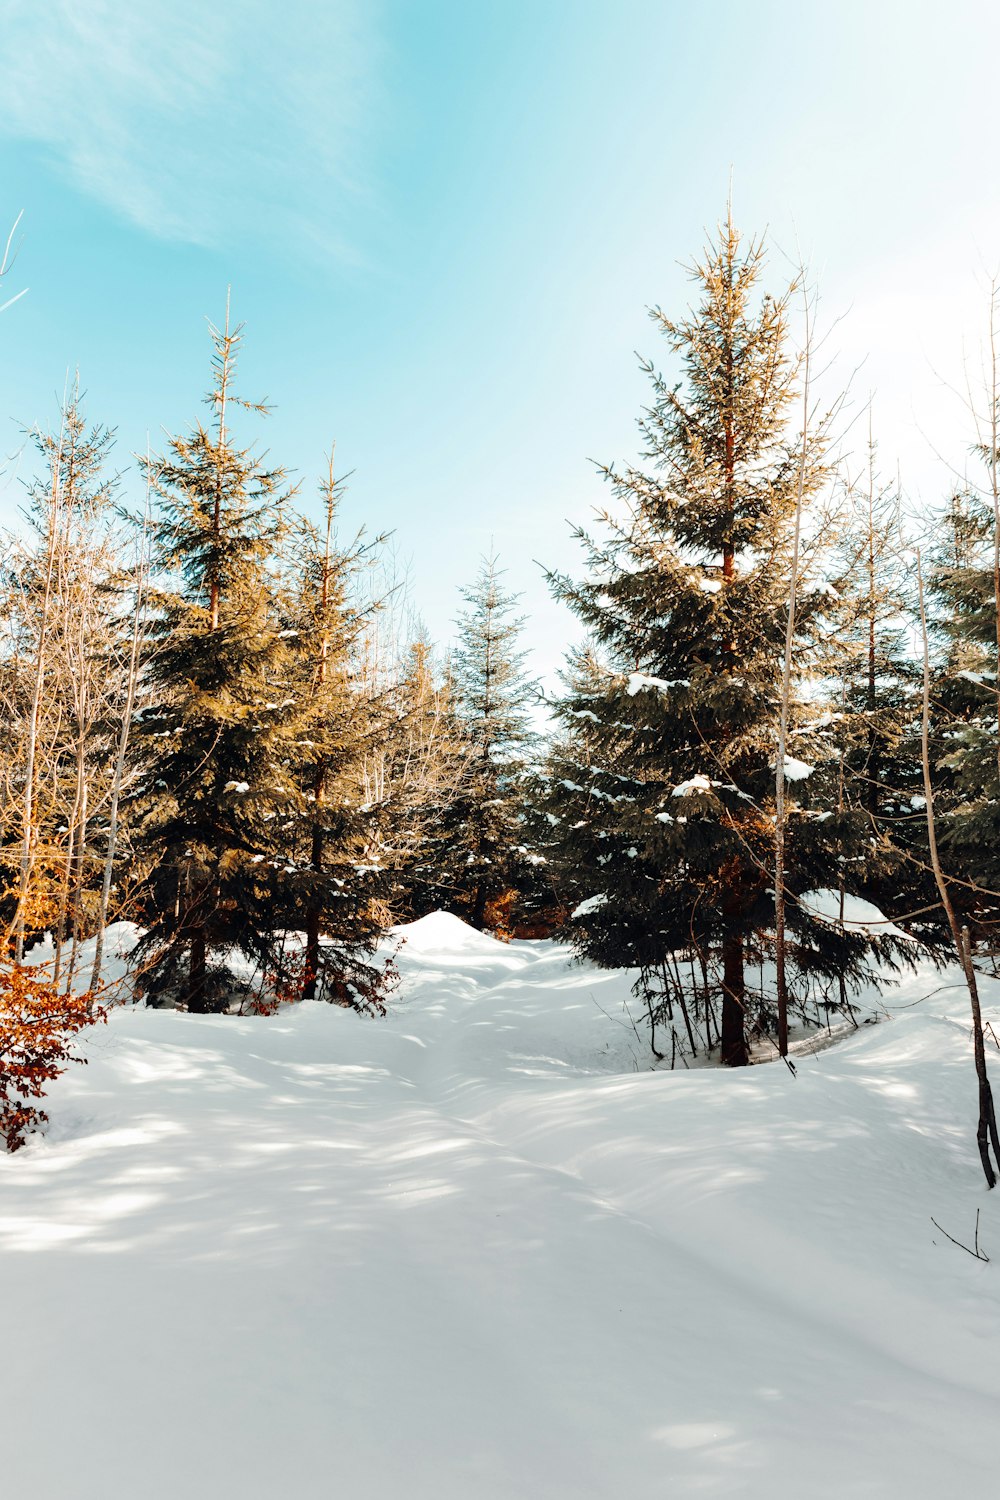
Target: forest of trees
[{"x": 220, "y": 723}]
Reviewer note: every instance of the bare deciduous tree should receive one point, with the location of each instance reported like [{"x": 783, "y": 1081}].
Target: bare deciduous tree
[{"x": 986, "y": 1132}]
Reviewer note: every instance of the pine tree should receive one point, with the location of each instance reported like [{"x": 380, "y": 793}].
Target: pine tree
[
  {"x": 965, "y": 707},
  {"x": 215, "y": 731},
  {"x": 484, "y": 827},
  {"x": 337, "y": 877},
  {"x": 870, "y": 781},
  {"x": 426, "y": 772},
  {"x": 963, "y": 710},
  {"x": 663, "y": 781}
]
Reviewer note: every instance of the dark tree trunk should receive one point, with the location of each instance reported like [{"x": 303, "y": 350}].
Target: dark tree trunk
[
  {"x": 314, "y": 914},
  {"x": 311, "y": 985},
  {"x": 734, "y": 1041},
  {"x": 197, "y": 997},
  {"x": 312, "y": 922},
  {"x": 986, "y": 1132}
]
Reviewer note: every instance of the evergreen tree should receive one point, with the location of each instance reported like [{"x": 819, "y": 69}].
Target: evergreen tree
[
  {"x": 427, "y": 768},
  {"x": 216, "y": 732},
  {"x": 663, "y": 780},
  {"x": 484, "y": 829},
  {"x": 963, "y": 729},
  {"x": 337, "y": 880},
  {"x": 965, "y": 711},
  {"x": 870, "y": 781}
]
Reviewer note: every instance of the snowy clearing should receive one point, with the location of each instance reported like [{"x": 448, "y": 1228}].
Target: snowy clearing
[{"x": 470, "y": 1252}]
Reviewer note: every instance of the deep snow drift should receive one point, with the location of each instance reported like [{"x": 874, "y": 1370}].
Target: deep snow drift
[{"x": 469, "y": 1252}]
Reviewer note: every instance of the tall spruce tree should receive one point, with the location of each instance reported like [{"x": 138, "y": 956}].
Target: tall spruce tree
[
  {"x": 663, "y": 779},
  {"x": 483, "y": 825},
  {"x": 216, "y": 730},
  {"x": 336, "y": 886}
]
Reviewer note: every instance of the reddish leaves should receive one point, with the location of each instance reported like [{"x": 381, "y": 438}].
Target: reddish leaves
[{"x": 36, "y": 1027}]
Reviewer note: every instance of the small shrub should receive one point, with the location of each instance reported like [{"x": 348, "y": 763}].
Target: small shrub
[{"x": 36, "y": 1027}]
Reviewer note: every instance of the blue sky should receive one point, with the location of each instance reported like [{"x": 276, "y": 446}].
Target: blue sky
[{"x": 443, "y": 223}]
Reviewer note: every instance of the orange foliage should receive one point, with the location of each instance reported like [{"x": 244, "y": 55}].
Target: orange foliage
[
  {"x": 498, "y": 918},
  {"x": 36, "y": 1026}
]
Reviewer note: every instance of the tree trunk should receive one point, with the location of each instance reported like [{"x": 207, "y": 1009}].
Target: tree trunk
[
  {"x": 874, "y": 769},
  {"x": 31, "y": 749},
  {"x": 313, "y": 917},
  {"x": 734, "y": 1042},
  {"x": 780, "y": 794},
  {"x": 197, "y": 996},
  {"x": 78, "y": 878},
  {"x": 59, "y": 925},
  {"x": 986, "y": 1131},
  {"x": 314, "y": 914}
]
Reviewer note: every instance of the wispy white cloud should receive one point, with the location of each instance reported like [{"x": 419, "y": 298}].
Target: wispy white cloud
[{"x": 207, "y": 121}]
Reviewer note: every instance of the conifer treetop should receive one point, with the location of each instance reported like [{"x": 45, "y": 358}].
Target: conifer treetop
[
  {"x": 720, "y": 435},
  {"x": 221, "y": 507},
  {"x": 493, "y": 690}
]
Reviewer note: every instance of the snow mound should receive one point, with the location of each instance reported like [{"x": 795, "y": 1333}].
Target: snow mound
[{"x": 442, "y": 933}]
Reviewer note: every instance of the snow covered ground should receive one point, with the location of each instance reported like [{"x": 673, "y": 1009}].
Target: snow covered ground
[{"x": 470, "y": 1253}]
